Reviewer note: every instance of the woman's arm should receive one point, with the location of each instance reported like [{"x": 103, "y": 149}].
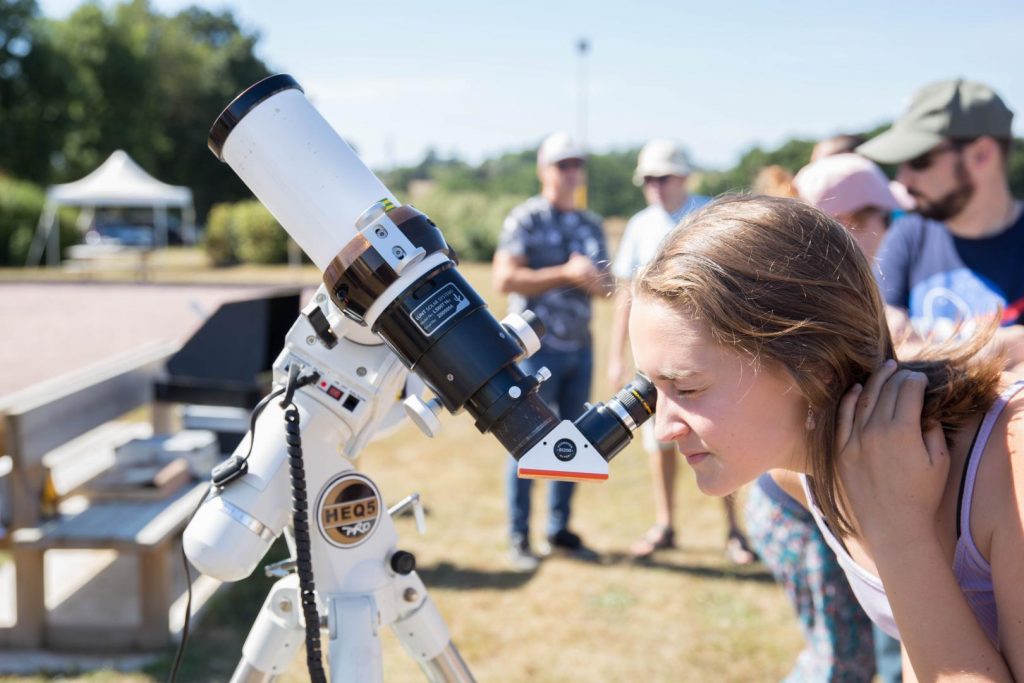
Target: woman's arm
[
  {"x": 893, "y": 476},
  {"x": 938, "y": 629},
  {"x": 1007, "y": 550}
]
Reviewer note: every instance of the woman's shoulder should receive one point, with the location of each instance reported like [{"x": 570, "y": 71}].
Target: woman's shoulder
[
  {"x": 1009, "y": 426},
  {"x": 1000, "y": 473}
]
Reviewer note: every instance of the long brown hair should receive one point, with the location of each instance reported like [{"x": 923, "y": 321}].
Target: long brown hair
[{"x": 784, "y": 284}]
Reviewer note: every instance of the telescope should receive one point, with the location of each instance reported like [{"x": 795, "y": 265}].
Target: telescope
[{"x": 393, "y": 310}]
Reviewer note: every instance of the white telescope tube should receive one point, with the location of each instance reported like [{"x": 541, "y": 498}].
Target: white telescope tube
[{"x": 297, "y": 165}]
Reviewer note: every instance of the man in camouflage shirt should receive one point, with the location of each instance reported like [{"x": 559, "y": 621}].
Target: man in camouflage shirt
[{"x": 552, "y": 259}]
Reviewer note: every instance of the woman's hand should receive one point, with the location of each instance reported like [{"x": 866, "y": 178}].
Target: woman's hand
[{"x": 893, "y": 473}]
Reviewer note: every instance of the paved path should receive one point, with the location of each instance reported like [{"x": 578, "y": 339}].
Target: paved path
[{"x": 50, "y": 329}]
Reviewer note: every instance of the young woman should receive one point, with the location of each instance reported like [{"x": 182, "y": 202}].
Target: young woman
[{"x": 761, "y": 326}]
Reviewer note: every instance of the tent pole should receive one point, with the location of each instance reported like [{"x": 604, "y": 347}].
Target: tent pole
[
  {"x": 53, "y": 251},
  {"x": 160, "y": 224},
  {"x": 43, "y": 229},
  {"x": 188, "y": 220}
]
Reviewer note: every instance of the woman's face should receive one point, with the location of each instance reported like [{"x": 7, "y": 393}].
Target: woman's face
[
  {"x": 867, "y": 227},
  {"x": 730, "y": 421}
]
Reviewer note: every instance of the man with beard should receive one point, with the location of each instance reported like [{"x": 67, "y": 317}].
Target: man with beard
[{"x": 952, "y": 266}]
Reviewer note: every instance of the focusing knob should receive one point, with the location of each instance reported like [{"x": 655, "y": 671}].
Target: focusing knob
[
  {"x": 424, "y": 414},
  {"x": 403, "y": 562}
]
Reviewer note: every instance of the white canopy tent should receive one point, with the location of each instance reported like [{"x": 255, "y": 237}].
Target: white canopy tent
[{"x": 118, "y": 182}]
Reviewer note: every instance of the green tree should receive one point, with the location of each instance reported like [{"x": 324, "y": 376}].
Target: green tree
[
  {"x": 514, "y": 174},
  {"x": 791, "y": 155},
  {"x": 152, "y": 85},
  {"x": 610, "y": 188},
  {"x": 33, "y": 92}
]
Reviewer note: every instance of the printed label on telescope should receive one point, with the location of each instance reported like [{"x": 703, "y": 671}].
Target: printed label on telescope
[
  {"x": 439, "y": 308},
  {"x": 348, "y": 510},
  {"x": 565, "y": 449}
]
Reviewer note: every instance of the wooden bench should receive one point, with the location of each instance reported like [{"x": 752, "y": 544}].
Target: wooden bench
[
  {"x": 51, "y": 422},
  {"x": 89, "y": 259}
]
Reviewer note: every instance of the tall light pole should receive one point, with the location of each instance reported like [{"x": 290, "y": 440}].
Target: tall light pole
[{"x": 582, "y": 47}]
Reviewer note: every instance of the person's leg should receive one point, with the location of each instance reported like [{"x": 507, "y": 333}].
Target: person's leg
[
  {"x": 737, "y": 549},
  {"x": 573, "y": 392},
  {"x": 663, "y": 474},
  {"x": 519, "y": 490},
  {"x": 662, "y": 460}
]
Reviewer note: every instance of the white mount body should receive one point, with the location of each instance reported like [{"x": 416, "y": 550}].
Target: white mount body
[
  {"x": 352, "y": 541},
  {"x": 357, "y": 394}
]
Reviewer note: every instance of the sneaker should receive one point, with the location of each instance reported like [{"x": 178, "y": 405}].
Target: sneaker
[
  {"x": 568, "y": 544},
  {"x": 521, "y": 556}
]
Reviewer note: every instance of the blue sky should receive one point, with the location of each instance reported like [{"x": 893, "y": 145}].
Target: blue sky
[{"x": 478, "y": 78}]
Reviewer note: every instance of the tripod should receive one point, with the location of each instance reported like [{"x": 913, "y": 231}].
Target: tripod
[{"x": 363, "y": 584}]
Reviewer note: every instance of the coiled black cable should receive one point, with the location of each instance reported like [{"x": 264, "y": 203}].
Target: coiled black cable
[{"x": 303, "y": 554}]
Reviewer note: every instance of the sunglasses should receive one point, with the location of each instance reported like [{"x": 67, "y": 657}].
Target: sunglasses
[
  {"x": 923, "y": 162},
  {"x": 656, "y": 179},
  {"x": 569, "y": 164}
]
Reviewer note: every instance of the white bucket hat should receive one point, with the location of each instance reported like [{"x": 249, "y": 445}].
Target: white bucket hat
[{"x": 661, "y": 158}]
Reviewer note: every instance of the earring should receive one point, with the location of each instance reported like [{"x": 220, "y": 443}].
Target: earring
[{"x": 810, "y": 423}]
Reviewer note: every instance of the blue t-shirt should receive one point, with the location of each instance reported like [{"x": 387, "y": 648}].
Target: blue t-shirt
[
  {"x": 544, "y": 236},
  {"x": 944, "y": 281}
]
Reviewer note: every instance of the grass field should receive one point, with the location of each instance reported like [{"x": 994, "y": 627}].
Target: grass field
[{"x": 687, "y": 616}]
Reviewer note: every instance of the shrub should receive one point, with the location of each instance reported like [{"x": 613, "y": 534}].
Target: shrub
[
  {"x": 218, "y": 238},
  {"x": 244, "y": 232},
  {"x": 261, "y": 239},
  {"x": 470, "y": 221},
  {"x": 21, "y": 204}
]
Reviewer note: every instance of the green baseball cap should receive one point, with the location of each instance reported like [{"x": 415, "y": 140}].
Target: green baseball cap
[{"x": 957, "y": 109}]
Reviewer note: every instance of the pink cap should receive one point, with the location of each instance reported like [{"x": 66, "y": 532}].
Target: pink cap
[{"x": 844, "y": 184}]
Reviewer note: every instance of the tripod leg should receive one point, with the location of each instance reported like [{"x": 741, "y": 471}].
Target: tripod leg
[
  {"x": 355, "y": 652},
  {"x": 275, "y": 637},
  {"x": 425, "y": 636}
]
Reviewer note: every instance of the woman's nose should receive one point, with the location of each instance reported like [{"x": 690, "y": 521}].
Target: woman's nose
[{"x": 669, "y": 424}]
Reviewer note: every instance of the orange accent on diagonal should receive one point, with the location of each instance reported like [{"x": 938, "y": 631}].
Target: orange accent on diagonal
[{"x": 554, "y": 474}]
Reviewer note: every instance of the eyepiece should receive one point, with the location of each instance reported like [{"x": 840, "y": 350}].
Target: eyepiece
[
  {"x": 638, "y": 398},
  {"x": 610, "y": 426}
]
